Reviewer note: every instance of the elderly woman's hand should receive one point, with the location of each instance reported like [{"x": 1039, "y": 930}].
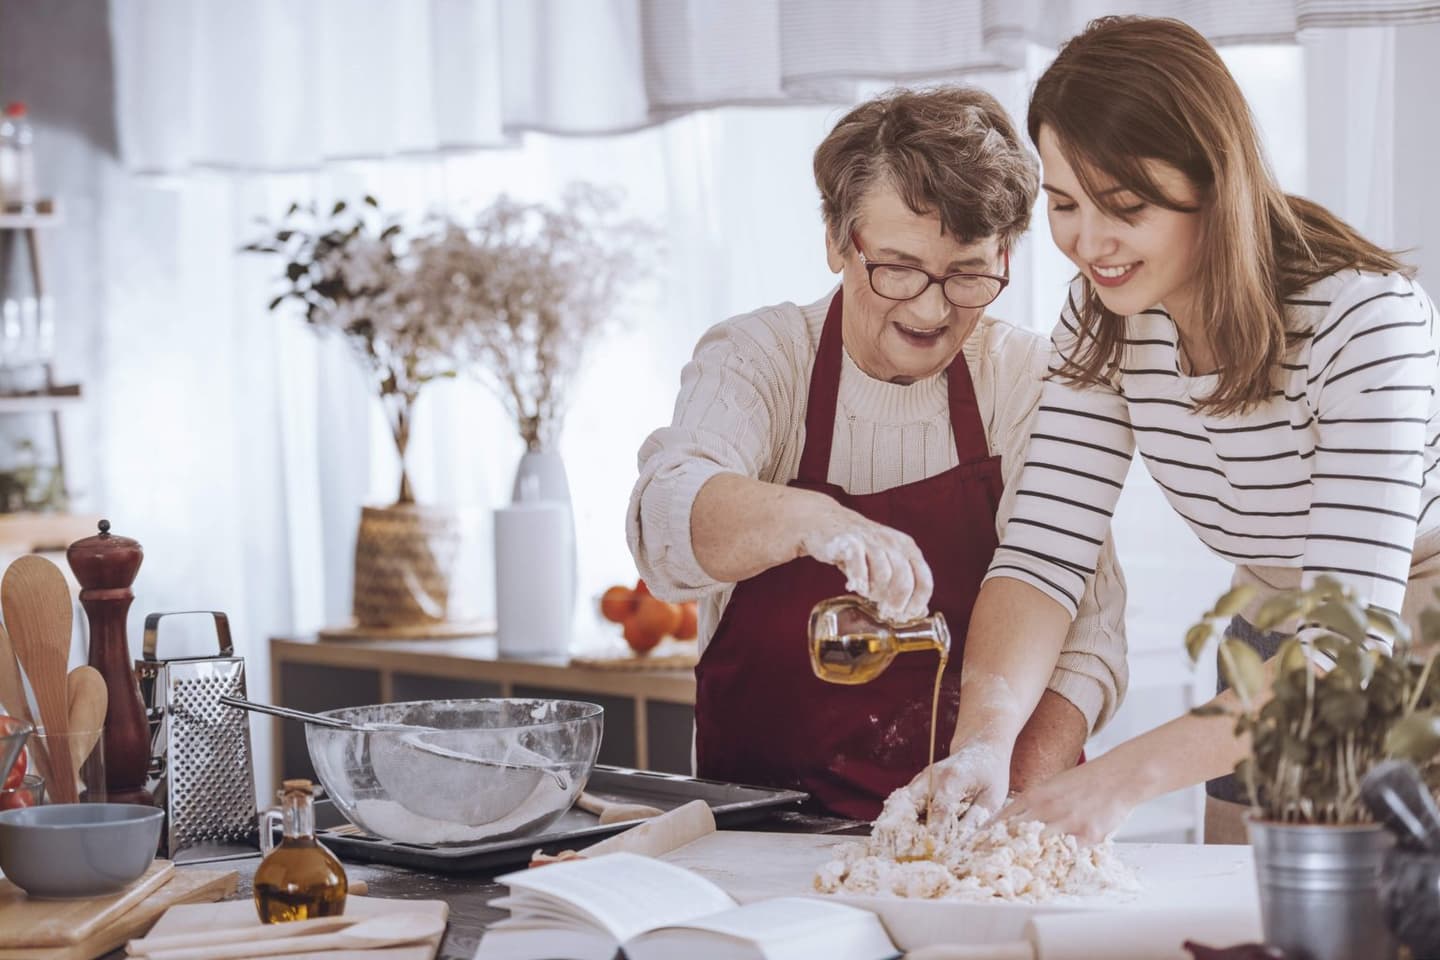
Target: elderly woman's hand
[
  {"x": 881, "y": 564},
  {"x": 971, "y": 783}
]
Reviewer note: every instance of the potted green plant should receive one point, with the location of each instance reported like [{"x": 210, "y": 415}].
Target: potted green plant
[
  {"x": 353, "y": 274},
  {"x": 1331, "y": 704}
]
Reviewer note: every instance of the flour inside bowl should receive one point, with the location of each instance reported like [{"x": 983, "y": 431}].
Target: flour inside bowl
[
  {"x": 950, "y": 860},
  {"x": 391, "y": 820}
]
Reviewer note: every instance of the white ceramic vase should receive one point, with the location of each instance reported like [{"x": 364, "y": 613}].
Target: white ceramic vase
[{"x": 541, "y": 486}]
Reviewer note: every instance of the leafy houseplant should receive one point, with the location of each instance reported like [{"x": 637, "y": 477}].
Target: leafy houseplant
[
  {"x": 1319, "y": 732},
  {"x": 1337, "y": 705}
]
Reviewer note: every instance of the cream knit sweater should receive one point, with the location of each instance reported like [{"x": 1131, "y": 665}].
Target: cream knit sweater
[{"x": 741, "y": 410}]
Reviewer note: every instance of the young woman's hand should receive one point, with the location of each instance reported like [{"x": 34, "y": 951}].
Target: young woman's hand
[
  {"x": 1089, "y": 801},
  {"x": 881, "y": 564}
]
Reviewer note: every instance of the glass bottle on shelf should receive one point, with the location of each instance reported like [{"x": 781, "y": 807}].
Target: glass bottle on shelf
[
  {"x": 851, "y": 643},
  {"x": 298, "y": 879}
]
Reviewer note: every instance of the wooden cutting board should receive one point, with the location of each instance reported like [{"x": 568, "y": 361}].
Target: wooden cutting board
[
  {"x": 26, "y": 922},
  {"x": 1174, "y": 877},
  {"x": 194, "y": 918},
  {"x": 184, "y": 886}
]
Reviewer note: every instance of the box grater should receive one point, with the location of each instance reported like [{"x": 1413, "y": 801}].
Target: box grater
[{"x": 200, "y": 766}]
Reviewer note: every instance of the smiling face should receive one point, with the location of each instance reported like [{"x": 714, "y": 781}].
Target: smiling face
[
  {"x": 1134, "y": 263},
  {"x": 906, "y": 340}
]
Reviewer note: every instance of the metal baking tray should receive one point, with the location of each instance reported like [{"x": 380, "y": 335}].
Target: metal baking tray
[{"x": 732, "y": 803}]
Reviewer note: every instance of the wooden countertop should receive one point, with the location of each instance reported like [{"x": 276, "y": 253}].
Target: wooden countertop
[
  {"x": 476, "y": 658},
  {"x": 469, "y": 895}
]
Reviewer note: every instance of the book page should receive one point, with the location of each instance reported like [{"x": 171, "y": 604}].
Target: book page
[
  {"x": 622, "y": 893},
  {"x": 779, "y": 919},
  {"x": 786, "y": 927}
]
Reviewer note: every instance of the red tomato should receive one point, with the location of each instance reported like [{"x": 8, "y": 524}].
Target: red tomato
[
  {"x": 16, "y": 774},
  {"x": 15, "y": 800}
]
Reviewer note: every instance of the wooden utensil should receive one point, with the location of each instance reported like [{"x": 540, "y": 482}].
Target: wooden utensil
[
  {"x": 211, "y": 938},
  {"x": 26, "y": 922},
  {"x": 386, "y": 931},
  {"x": 191, "y": 885},
  {"x": 39, "y": 613},
  {"x": 12, "y": 699},
  {"x": 610, "y": 811},
  {"x": 88, "y": 699}
]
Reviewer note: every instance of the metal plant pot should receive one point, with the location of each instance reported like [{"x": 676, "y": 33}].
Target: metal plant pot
[{"x": 1319, "y": 889}]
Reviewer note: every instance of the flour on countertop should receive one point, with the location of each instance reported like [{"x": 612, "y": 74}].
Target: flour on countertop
[{"x": 955, "y": 860}]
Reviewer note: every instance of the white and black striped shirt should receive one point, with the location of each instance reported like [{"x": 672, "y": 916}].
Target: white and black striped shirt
[{"x": 1334, "y": 474}]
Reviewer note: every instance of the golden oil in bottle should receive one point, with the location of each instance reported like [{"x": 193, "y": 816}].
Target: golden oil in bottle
[
  {"x": 851, "y": 643},
  {"x": 298, "y": 879}
]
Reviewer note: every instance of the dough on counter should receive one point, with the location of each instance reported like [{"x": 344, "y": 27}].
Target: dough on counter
[{"x": 950, "y": 860}]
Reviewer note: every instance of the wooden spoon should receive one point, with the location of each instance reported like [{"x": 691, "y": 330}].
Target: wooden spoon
[
  {"x": 85, "y": 691},
  {"x": 12, "y": 699},
  {"x": 38, "y": 610},
  {"x": 386, "y": 930},
  {"x": 610, "y": 811}
]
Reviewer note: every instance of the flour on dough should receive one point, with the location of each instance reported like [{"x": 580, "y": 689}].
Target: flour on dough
[{"x": 948, "y": 860}]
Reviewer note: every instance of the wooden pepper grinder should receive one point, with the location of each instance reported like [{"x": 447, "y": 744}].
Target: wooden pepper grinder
[{"x": 106, "y": 565}]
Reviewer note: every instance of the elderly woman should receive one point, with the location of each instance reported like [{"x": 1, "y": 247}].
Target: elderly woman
[{"x": 870, "y": 439}]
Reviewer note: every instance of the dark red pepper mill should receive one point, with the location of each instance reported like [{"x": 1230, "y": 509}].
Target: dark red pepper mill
[{"x": 106, "y": 565}]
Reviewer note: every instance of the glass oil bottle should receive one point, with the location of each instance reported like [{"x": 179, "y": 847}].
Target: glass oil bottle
[
  {"x": 298, "y": 879},
  {"x": 851, "y": 643}
]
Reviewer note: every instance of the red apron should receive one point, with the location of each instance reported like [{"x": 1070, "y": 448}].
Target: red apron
[{"x": 761, "y": 714}]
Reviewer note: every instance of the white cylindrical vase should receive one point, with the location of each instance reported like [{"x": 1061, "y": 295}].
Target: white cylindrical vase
[{"x": 534, "y": 544}]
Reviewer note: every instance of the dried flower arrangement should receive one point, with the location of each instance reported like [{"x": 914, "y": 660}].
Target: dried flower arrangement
[
  {"x": 1321, "y": 730},
  {"x": 513, "y": 294},
  {"x": 528, "y": 286},
  {"x": 351, "y": 272}
]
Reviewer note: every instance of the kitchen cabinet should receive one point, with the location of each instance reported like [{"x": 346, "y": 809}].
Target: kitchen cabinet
[{"x": 649, "y": 714}]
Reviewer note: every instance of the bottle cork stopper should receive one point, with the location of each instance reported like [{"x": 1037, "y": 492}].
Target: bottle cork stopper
[{"x": 303, "y": 786}]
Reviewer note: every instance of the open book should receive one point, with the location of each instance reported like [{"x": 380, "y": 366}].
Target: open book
[{"x": 653, "y": 910}]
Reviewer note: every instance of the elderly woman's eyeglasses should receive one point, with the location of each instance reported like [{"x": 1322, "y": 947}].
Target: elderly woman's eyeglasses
[{"x": 899, "y": 281}]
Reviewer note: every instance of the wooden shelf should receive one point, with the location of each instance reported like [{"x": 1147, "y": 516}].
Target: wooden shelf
[
  {"x": 29, "y": 532},
  {"x": 46, "y": 214},
  {"x": 58, "y": 398}
]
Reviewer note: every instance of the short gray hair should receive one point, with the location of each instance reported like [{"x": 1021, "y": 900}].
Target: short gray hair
[{"x": 949, "y": 150}]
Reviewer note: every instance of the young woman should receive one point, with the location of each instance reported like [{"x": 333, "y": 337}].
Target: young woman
[{"x": 1276, "y": 371}]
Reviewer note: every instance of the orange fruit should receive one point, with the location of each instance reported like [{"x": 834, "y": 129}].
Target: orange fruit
[
  {"x": 689, "y": 622},
  {"x": 641, "y": 637},
  {"x": 657, "y": 616},
  {"x": 617, "y": 603}
]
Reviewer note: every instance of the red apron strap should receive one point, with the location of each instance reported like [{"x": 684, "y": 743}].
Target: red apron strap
[
  {"x": 824, "y": 391},
  {"x": 965, "y": 422}
]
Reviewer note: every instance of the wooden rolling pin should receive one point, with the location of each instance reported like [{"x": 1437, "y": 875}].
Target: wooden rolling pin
[{"x": 610, "y": 811}]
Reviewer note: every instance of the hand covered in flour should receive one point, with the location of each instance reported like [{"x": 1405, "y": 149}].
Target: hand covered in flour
[
  {"x": 1089, "y": 801},
  {"x": 880, "y": 564},
  {"x": 970, "y": 784}
]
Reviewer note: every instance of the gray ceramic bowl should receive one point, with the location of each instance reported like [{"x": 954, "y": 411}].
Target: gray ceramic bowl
[{"x": 72, "y": 850}]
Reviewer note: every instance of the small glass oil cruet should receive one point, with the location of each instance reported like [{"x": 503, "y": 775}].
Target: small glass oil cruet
[
  {"x": 851, "y": 643},
  {"x": 298, "y": 879}
]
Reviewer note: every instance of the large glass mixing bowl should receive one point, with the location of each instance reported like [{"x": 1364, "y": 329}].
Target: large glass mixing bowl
[{"x": 456, "y": 771}]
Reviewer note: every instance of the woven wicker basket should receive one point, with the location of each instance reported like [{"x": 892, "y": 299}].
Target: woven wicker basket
[{"x": 404, "y": 560}]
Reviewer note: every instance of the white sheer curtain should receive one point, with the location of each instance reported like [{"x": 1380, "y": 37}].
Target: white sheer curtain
[{"x": 260, "y": 443}]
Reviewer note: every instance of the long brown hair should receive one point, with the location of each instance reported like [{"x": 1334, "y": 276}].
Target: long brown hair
[{"x": 1131, "y": 89}]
